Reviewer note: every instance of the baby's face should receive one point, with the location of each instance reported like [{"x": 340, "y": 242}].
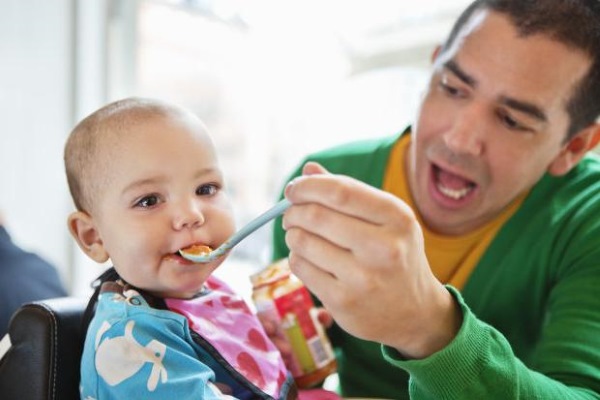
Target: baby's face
[{"x": 165, "y": 193}]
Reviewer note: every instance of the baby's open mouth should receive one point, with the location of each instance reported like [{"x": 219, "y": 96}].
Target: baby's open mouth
[{"x": 196, "y": 249}]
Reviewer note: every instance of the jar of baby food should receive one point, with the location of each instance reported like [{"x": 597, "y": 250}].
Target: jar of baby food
[{"x": 282, "y": 299}]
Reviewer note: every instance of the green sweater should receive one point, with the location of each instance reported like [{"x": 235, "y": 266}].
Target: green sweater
[{"x": 531, "y": 327}]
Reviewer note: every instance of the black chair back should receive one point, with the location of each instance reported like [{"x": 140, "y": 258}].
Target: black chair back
[{"x": 46, "y": 344}]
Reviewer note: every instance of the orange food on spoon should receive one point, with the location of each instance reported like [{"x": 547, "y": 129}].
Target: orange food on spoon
[{"x": 197, "y": 249}]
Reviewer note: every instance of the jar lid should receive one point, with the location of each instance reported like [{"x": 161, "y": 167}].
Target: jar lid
[{"x": 278, "y": 270}]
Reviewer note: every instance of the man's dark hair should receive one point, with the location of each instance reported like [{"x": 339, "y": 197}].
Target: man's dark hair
[{"x": 574, "y": 23}]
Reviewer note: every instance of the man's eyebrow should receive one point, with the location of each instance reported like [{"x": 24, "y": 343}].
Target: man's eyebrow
[
  {"x": 453, "y": 67},
  {"x": 525, "y": 107}
]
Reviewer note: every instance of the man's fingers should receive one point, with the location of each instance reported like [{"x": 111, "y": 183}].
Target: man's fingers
[
  {"x": 324, "y": 317},
  {"x": 329, "y": 239},
  {"x": 318, "y": 280},
  {"x": 340, "y": 229},
  {"x": 313, "y": 168},
  {"x": 319, "y": 252},
  {"x": 344, "y": 194}
]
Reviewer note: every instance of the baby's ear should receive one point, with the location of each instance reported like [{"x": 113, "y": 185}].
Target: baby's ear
[
  {"x": 575, "y": 149},
  {"x": 83, "y": 229}
]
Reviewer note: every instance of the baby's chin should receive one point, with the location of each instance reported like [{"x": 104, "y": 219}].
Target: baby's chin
[
  {"x": 178, "y": 294},
  {"x": 188, "y": 287}
]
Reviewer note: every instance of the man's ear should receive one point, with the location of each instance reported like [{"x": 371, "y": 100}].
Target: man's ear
[
  {"x": 83, "y": 229},
  {"x": 574, "y": 150},
  {"x": 435, "y": 53}
]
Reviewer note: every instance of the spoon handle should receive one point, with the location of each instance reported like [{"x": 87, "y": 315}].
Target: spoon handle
[
  {"x": 237, "y": 237},
  {"x": 257, "y": 222}
]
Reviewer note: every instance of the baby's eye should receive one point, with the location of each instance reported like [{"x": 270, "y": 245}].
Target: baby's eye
[
  {"x": 207, "y": 189},
  {"x": 147, "y": 201}
]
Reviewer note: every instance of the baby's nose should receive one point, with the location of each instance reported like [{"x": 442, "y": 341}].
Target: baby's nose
[{"x": 188, "y": 217}]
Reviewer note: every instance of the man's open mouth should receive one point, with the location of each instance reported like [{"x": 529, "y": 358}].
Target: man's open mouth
[{"x": 450, "y": 185}]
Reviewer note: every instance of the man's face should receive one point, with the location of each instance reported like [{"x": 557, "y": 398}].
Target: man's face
[
  {"x": 492, "y": 122},
  {"x": 164, "y": 192}
]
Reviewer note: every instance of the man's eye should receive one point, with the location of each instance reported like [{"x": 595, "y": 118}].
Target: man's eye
[
  {"x": 147, "y": 201},
  {"x": 450, "y": 90},
  {"x": 207, "y": 190},
  {"x": 511, "y": 123}
]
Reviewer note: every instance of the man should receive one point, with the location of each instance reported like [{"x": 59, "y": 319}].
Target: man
[
  {"x": 477, "y": 265},
  {"x": 24, "y": 277}
]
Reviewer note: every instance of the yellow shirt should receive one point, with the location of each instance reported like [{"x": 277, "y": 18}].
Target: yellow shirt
[{"x": 451, "y": 258}]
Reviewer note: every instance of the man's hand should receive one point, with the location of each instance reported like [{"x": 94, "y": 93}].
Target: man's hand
[{"x": 361, "y": 252}]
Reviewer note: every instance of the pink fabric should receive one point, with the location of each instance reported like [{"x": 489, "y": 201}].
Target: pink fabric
[
  {"x": 225, "y": 321},
  {"x": 317, "y": 394}
]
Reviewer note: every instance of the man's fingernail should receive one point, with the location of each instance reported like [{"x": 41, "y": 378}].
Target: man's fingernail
[{"x": 290, "y": 185}]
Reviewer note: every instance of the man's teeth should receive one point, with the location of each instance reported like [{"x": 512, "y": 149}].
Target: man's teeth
[{"x": 455, "y": 194}]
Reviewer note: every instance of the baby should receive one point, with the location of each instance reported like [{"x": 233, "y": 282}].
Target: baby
[{"x": 146, "y": 183}]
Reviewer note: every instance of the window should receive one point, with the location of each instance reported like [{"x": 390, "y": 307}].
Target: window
[{"x": 275, "y": 80}]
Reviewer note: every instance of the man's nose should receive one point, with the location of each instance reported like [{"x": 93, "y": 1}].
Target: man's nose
[
  {"x": 188, "y": 215},
  {"x": 465, "y": 136}
]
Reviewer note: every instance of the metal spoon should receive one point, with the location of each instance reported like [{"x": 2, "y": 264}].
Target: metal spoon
[{"x": 237, "y": 237}]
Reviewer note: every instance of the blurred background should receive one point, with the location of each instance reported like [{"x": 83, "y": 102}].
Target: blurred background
[{"x": 272, "y": 79}]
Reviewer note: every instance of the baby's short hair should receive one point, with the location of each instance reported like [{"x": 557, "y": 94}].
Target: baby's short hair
[{"x": 86, "y": 150}]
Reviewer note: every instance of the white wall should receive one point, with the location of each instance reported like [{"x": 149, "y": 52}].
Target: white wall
[
  {"x": 35, "y": 115},
  {"x": 52, "y": 73}
]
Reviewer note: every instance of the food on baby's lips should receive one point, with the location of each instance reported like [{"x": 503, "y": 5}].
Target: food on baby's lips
[{"x": 197, "y": 249}]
